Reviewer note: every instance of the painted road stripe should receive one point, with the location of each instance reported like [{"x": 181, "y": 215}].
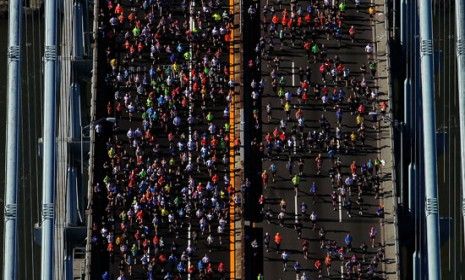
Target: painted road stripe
[
  {"x": 191, "y": 27},
  {"x": 340, "y": 209},
  {"x": 296, "y": 207},
  {"x": 293, "y": 73}
]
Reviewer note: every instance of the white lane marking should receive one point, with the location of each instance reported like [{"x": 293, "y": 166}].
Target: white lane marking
[
  {"x": 340, "y": 209},
  {"x": 295, "y": 145},
  {"x": 293, "y": 73},
  {"x": 188, "y": 245},
  {"x": 295, "y": 204},
  {"x": 191, "y": 27}
]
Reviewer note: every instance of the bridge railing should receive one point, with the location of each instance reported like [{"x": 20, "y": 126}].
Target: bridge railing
[
  {"x": 390, "y": 34},
  {"x": 93, "y": 109}
]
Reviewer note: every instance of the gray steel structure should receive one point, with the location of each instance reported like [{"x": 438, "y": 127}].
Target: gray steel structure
[
  {"x": 12, "y": 144},
  {"x": 429, "y": 139},
  {"x": 49, "y": 144},
  {"x": 460, "y": 37}
]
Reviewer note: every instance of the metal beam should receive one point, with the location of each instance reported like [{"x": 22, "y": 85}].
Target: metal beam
[
  {"x": 403, "y": 21},
  {"x": 12, "y": 139},
  {"x": 429, "y": 139},
  {"x": 460, "y": 49},
  {"x": 49, "y": 145},
  {"x": 411, "y": 187}
]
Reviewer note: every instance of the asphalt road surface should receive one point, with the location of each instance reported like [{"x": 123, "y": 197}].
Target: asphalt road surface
[
  {"x": 187, "y": 234},
  {"x": 336, "y": 223}
]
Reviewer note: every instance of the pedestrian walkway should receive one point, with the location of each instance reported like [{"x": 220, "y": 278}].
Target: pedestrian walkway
[{"x": 390, "y": 227}]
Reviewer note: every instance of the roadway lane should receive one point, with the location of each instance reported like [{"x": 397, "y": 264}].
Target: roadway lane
[
  {"x": 336, "y": 223},
  {"x": 215, "y": 102}
]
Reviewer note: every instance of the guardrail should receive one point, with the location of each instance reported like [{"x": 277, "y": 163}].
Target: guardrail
[{"x": 93, "y": 109}]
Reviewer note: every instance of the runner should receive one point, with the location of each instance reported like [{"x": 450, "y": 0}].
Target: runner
[
  {"x": 277, "y": 241},
  {"x": 284, "y": 258},
  {"x": 372, "y": 234}
]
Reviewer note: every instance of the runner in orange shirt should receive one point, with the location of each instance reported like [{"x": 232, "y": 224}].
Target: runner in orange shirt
[
  {"x": 265, "y": 179},
  {"x": 328, "y": 262},
  {"x": 278, "y": 240},
  {"x": 353, "y": 167}
]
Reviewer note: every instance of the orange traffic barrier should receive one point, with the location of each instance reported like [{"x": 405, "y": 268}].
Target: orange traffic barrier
[{"x": 232, "y": 243}]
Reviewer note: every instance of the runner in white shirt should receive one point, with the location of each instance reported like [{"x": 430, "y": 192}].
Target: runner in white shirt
[
  {"x": 205, "y": 259},
  {"x": 284, "y": 258},
  {"x": 369, "y": 50}
]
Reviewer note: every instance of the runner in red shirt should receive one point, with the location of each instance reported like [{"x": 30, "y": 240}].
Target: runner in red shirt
[
  {"x": 317, "y": 265},
  {"x": 221, "y": 269},
  {"x": 275, "y": 19},
  {"x": 352, "y": 33}
]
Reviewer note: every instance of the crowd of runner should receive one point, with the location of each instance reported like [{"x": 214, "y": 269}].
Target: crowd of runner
[
  {"x": 350, "y": 97},
  {"x": 165, "y": 180}
]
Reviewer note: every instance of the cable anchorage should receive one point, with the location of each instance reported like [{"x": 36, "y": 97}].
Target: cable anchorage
[
  {"x": 50, "y": 53},
  {"x": 13, "y": 53},
  {"x": 463, "y": 206},
  {"x": 431, "y": 206},
  {"x": 426, "y": 47},
  {"x": 460, "y": 47},
  {"x": 10, "y": 211},
  {"x": 48, "y": 211}
]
